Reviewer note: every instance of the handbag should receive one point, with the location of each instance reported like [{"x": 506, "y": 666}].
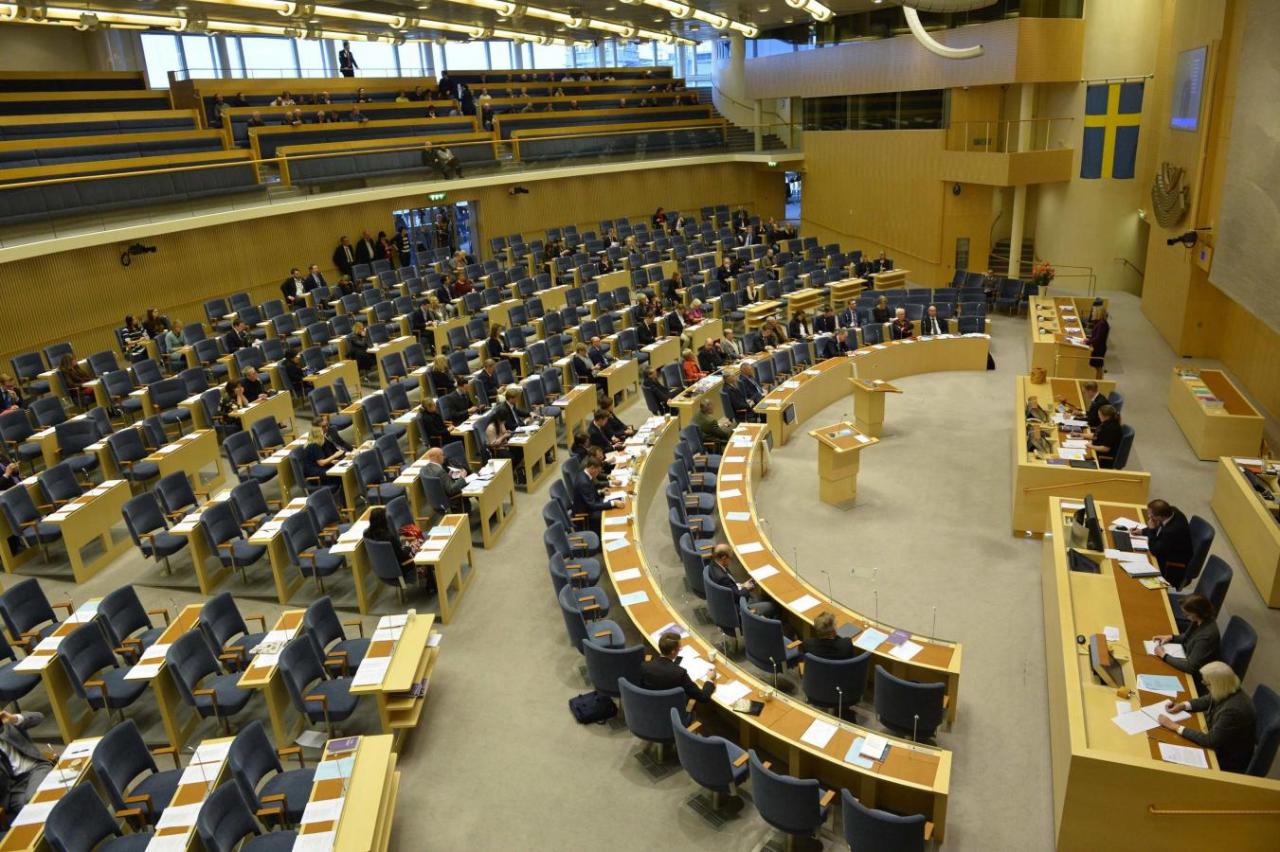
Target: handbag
[{"x": 592, "y": 707}]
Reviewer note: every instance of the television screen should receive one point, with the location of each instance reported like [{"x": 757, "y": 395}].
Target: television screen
[{"x": 1187, "y": 80}]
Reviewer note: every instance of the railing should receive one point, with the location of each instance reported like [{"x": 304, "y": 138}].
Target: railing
[
  {"x": 284, "y": 73},
  {"x": 1005, "y": 137}
]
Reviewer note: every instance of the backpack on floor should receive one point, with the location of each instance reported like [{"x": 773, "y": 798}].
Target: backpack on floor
[{"x": 592, "y": 707}]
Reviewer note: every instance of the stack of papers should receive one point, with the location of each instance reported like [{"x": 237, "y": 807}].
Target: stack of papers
[
  {"x": 764, "y": 572},
  {"x": 1160, "y": 684},
  {"x": 728, "y": 693},
  {"x": 804, "y": 603},
  {"x": 819, "y": 733},
  {"x": 1184, "y": 755},
  {"x": 907, "y": 650},
  {"x": 371, "y": 672},
  {"x": 1135, "y": 722},
  {"x": 1171, "y": 649},
  {"x": 870, "y": 639},
  {"x": 874, "y": 747}
]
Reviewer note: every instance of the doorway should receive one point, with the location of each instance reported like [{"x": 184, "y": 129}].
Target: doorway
[
  {"x": 794, "y": 185},
  {"x": 437, "y": 231}
]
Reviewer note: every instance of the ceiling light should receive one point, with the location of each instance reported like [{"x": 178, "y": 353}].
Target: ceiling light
[{"x": 816, "y": 10}]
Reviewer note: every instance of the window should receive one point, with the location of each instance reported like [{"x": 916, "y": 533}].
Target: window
[
  {"x": 235, "y": 56},
  {"x": 311, "y": 55},
  {"x": 551, "y": 56},
  {"x": 500, "y": 55},
  {"x": 410, "y": 55},
  {"x": 269, "y": 57},
  {"x": 703, "y": 54},
  {"x": 629, "y": 55},
  {"x": 465, "y": 56},
  {"x": 666, "y": 55},
  {"x": 162, "y": 55},
  {"x": 585, "y": 57},
  {"x": 199, "y": 56},
  {"x": 375, "y": 59},
  {"x": 923, "y": 110},
  {"x": 771, "y": 46}
]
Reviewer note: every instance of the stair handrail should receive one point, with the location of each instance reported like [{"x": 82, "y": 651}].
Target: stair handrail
[{"x": 1086, "y": 272}]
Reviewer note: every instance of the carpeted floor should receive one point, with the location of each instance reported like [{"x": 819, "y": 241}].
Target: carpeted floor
[{"x": 498, "y": 762}]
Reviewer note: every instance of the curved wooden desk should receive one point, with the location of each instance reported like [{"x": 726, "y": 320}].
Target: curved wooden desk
[
  {"x": 937, "y": 662},
  {"x": 913, "y": 778}
]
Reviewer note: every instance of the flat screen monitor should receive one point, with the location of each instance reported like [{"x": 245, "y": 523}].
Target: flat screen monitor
[
  {"x": 1078, "y": 562},
  {"x": 1092, "y": 524},
  {"x": 789, "y": 414},
  {"x": 1188, "y": 80}
]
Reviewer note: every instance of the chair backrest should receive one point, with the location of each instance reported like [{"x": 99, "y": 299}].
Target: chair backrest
[
  {"x": 1126, "y": 444},
  {"x": 606, "y": 665},
  {"x": 225, "y": 819},
  {"x": 59, "y": 483},
  {"x": 835, "y": 683},
  {"x": 119, "y": 758},
  {"x": 1214, "y": 581},
  {"x": 763, "y": 640},
  {"x": 126, "y": 446},
  {"x": 84, "y": 653},
  {"x": 300, "y": 667},
  {"x": 1202, "y": 534},
  {"x": 322, "y": 620},
  {"x": 251, "y": 758},
  {"x": 266, "y": 434},
  {"x": 1266, "y": 708},
  {"x": 648, "y": 711},
  {"x": 175, "y": 492},
  {"x": 221, "y": 619},
  {"x": 911, "y": 707},
  {"x": 706, "y": 759},
  {"x": 79, "y": 821},
  {"x": 869, "y": 828},
  {"x": 1239, "y": 641},
  {"x": 382, "y": 559},
  {"x": 249, "y": 502},
  {"x": 788, "y": 804},
  {"x": 24, "y": 606},
  {"x": 122, "y": 615},
  {"x": 691, "y": 560}
]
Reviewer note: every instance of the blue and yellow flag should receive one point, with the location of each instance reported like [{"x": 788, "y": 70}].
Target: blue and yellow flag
[{"x": 1112, "y": 113}]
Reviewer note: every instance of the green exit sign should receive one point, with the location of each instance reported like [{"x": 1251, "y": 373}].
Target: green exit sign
[{"x": 436, "y": 196}]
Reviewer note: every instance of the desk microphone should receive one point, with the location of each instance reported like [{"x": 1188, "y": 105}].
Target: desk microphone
[
  {"x": 774, "y": 663},
  {"x": 839, "y": 703},
  {"x": 830, "y": 594},
  {"x": 876, "y": 594},
  {"x": 915, "y": 725},
  {"x": 934, "y": 628}
]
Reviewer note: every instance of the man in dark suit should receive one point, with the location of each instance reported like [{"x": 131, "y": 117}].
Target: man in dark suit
[
  {"x": 344, "y": 256},
  {"x": 580, "y": 365},
  {"x": 825, "y": 642},
  {"x": 718, "y": 572},
  {"x": 1094, "y": 399},
  {"x": 455, "y": 406},
  {"x": 674, "y": 325},
  {"x": 315, "y": 278},
  {"x": 665, "y": 671},
  {"x": 24, "y": 766},
  {"x": 848, "y": 317},
  {"x": 293, "y": 288},
  {"x": 709, "y": 359},
  {"x": 587, "y": 499},
  {"x": 825, "y": 322},
  {"x": 737, "y": 395},
  {"x": 599, "y": 353},
  {"x": 1169, "y": 540},
  {"x": 488, "y": 379},
  {"x": 800, "y": 327},
  {"x": 646, "y": 331},
  {"x": 366, "y": 248},
  {"x": 238, "y": 337},
  {"x": 436, "y": 468},
  {"x": 751, "y": 387},
  {"x": 934, "y": 324},
  {"x": 842, "y": 342},
  {"x": 598, "y": 432}
]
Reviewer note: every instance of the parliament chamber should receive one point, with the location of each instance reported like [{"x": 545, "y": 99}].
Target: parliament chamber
[{"x": 423, "y": 423}]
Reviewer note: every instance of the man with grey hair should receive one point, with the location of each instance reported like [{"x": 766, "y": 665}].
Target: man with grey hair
[
  {"x": 435, "y": 468},
  {"x": 712, "y": 431}
]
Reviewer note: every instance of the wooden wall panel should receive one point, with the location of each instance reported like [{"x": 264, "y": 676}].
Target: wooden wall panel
[
  {"x": 1247, "y": 347},
  {"x": 82, "y": 295}
]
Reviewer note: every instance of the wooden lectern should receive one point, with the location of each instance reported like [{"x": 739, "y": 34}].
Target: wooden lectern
[
  {"x": 839, "y": 446},
  {"x": 868, "y": 404}
]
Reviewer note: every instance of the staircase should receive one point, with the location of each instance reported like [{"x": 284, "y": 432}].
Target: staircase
[
  {"x": 740, "y": 139},
  {"x": 998, "y": 262}
]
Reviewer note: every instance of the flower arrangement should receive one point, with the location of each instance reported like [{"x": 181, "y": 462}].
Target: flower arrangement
[{"x": 1042, "y": 274}]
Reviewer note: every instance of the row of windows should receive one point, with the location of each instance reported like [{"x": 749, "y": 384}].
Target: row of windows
[
  {"x": 260, "y": 57},
  {"x": 924, "y": 110}
]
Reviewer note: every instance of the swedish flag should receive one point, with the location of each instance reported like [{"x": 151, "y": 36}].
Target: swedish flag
[{"x": 1112, "y": 113}]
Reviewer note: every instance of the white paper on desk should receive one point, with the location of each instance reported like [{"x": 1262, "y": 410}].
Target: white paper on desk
[
  {"x": 1124, "y": 556},
  {"x": 1126, "y": 524},
  {"x": 426, "y": 555},
  {"x": 1071, "y": 455},
  {"x": 616, "y": 520},
  {"x": 874, "y": 747},
  {"x": 1162, "y": 707},
  {"x": 321, "y": 841},
  {"x": 615, "y": 495},
  {"x": 322, "y": 810},
  {"x": 728, "y": 693},
  {"x": 730, "y": 477},
  {"x": 870, "y": 639},
  {"x": 371, "y": 672},
  {"x": 168, "y": 843},
  {"x": 387, "y": 634},
  {"x": 669, "y": 627},
  {"x": 1071, "y": 505},
  {"x": 205, "y": 774},
  {"x": 819, "y": 733},
  {"x": 79, "y": 748},
  {"x": 751, "y": 547},
  {"x": 59, "y": 779},
  {"x": 633, "y": 598},
  {"x": 1134, "y": 722},
  {"x": 764, "y": 572},
  {"x": 804, "y": 603},
  {"x": 615, "y": 544},
  {"x": 143, "y": 671},
  {"x": 1160, "y": 684},
  {"x": 1172, "y": 649},
  {"x": 394, "y": 620},
  {"x": 33, "y": 812},
  {"x": 907, "y": 650},
  {"x": 1112, "y": 633},
  {"x": 697, "y": 667},
  {"x": 1139, "y": 543},
  {"x": 1075, "y": 444},
  {"x": 1122, "y": 707},
  {"x": 731, "y": 492},
  {"x": 629, "y": 574},
  {"x": 738, "y": 516},
  {"x": 854, "y": 754},
  {"x": 184, "y": 815},
  {"x": 733, "y": 459},
  {"x": 1138, "y": 568},
  {"x": 1184, "y": 755},
  {"x": 613, "y": 535}
]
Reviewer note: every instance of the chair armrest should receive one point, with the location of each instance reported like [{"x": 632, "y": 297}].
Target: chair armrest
[
  {"x": 695, "y": 727},
  {"x": 213, "y": 696},
  {"x": 742, "y": 759},
  {"x": 144, "y": 799},
  {"x": 600, "y": 633},
  {"x": 324, "y": 702},
  {"x": 170, "y": 750},
  {"x": 261, "y": 619},
  {"x": 356, "y": 623},
  {"x": 690, "y": 704},
  {"x": 768, "y": 764},
  {"x": 928, "y": 831},
  {"x": 796, "y": 644},
  {"x": 946, "y": 700},
  {"x": 296, "y": 751},
  {"x": 230, "y": 655},
  {"x": 277, "y": 812},
  {"x": 163, "y": 613},
  {"x": 826, "y": 799},
  {"x": 274, "y": 797},
  {"x": 126, "y": 813},
  {"x": 99, "y": 685},
  {"x": 67, "y": 605}
]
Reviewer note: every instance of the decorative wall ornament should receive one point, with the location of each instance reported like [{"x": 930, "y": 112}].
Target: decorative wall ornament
[{"x": 1170, "y": 197}]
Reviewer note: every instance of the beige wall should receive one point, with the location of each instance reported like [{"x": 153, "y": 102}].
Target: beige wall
[
  {"x": 82, "y": 295},
  {"x": 1092, "y": 223},
  {"x": 25, "y": 47}
]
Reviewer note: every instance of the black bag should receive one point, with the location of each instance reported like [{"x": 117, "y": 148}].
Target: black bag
[{"x": 592, "y": 707}]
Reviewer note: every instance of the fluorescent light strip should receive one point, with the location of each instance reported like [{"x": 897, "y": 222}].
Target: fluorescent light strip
[{"x": 816, "y": 10}]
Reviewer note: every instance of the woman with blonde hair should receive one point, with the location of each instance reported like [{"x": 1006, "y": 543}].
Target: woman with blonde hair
[
  {"x": 441, "y": 377},
  {"x": 319, "y": 455},
  {"x": 1231, "y": 718}
]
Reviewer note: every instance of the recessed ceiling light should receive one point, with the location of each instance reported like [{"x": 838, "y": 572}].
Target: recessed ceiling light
[
  {"x": 762, "y": 9},
  {"x": 788, "y": 20}
]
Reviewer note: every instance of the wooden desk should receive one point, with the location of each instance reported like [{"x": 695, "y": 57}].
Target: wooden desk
[
  {"x": 665, "y": 350},
  {"x": 279, "y": 406},
  {"x": 447, "y": 551},
  {"x": 263, "y": 674},
  {"x": 439, "y": 332},
  {"x": 807, "y": 299},
  {"x": 286, "y": 576},
  {"x": 941, "y": 353},
  {"x": 741, "y": 469},
  {"x": 806, "y": 393},
  {"x": 360, "y": 773},
  {"x": 401, "y": 655},
  {"x": 495, "y": 498},
  {"x": 537, "y": 453},
  {"x": 868, "y": 404},
  {"x": 88, "y": 520},
  {"x": 198, "y": 544},
  {"x": 1058, "y": 335},
  {"x": 1213, "y": 414},
  {"x": 578, "y": 404},
  {"x": 71, "y": 713},
  {"x": 687, "y": 402},
  {"x": 179, "y": 719},
  {"x": 708, "y": 329},
  {"x": 351, "y": 545},
  {"x": 1037, "y": 480},
  {"x": 345, "y": 370},
  {"x": 913, "y": 778},
  {"x": 888, "y": 279},
  {"x": 755, "y": 314},
  {"x": 1250, "y": 522},
  {"x": 844, "y": 291},
  {"x": 203, "y": 774},
  {"x": 1107, "y": 784},
  {"x": 840, "y": 447},
  {"x": 196, "y": 455},
  {"x": 622, "y": 377},
  {"x": 26, "y": 833}
]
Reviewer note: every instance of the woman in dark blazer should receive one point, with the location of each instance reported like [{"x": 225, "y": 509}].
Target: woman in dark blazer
[
  {"x": 880, "y": 313},
  {"x": 1098, "y": 341},
  {"x": 379, "y": 529},
  {"x": 1106, "y": 438},
  {"x": 1201, "y": 642},
  {"x": 495, "y": 347},
  {"x": 1232, "y": 721},
  {"x": 441, "y": 377}
]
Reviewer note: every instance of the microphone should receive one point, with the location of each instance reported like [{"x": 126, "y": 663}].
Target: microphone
[
  {"x": 830, "y": 594},
  {"x": 915, "y": 725},
  {"x": 933, "y": 631},
  {"x": 876, "y": 593},
  {"x": 774, "y": 663},
  {"x": 839, "y": 703}
]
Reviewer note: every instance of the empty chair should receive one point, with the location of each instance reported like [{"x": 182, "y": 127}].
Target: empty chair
[
  {"x": 59, "y": 485},
  {"x": 243, "y": 458},
  {"x": 25, "y": 520},
  {"x": 605, "y": 665},
  {"x": 580, "y": 628},
  {"x": 118, "y": 385},
  {"x": 127, "y": 622},
  {"x": 795, "y": 806},
  {"x": 372, "y": 481},
  {"x": 765, "y": 645},
  {"x": 250, "y": 504},
  {"x": 302, "y": 543},
  {"x": 26, "y": 611},
  {"x": 176, "y": 495},
  {"x": 1121, "y": 458},
  {"x": 1238, "y": 643},
  {"x": 201, "y": 682},
  {"x": 226, "y": 630},
  {"x": 226, "y": 538},
  {"x": 1202, "y": 535},
  {"x": 47, "y": 411},
  {"x": 327, "y": 515},
  {"x": 262, "y": 779},
  {"x": 1212, "y": 584},
  {"x": 128, "y": 771},
  {"x": 226, "y": 819},
  {"x": 80, "y": 822},
  {"x": 318, "y": 696},
  {"x": 648, "y": 712},
  {"x": 74, "y": 438},
  {"x": 835, "y": 684},
  {"x": 1266, "y": 708},
  {"x": 129, "y": 454},
  {"x": 144, "y": 518},
  {"x": 166, "y": 396},
  {"x": 13, "y": 684},
  {"x": 713, "y": 763},
  {"x": 15, "y": 430},
  {"x": 266, "y": 435},
  {"x": 915, "y": 709},
  {"x": 869, "y": 828},
  {"x": 95, "y": 673},
  {"x": 326, "y": 629},
  {"x": 324, "y": 400}
]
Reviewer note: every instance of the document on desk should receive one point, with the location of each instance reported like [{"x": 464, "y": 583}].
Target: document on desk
[
  {"x": 750, "y": 547},
  {"x": 738, "y": 516},
  {"x": 613, "y": 535},
  {"x": 320, "y": 841},
  {"x": 874, "y": 747},
  {"x": 1135, "y": 722},
  {"x": 1126, "y": 524},
  {"x": 1172, "y": 649},
  {"x": 697, "y": 667},
  {"x": 804, "y": 603},
  {"x": 629, "y": 574},
  {"x": 670, "y": 627},
  {"x": 615, "y": 544},
  {"x": 327, "y": 770},
  {"x": 180, "y": 815},
  {"x": 731, "y": 492},
  {"x": 616, "y": 520},
  {"x": 1075, "y": 444},
  {"x": 371, "y": 672},
  {"x": 906, "y": 650},
  {"x": 1112, "y": 633},
  {"x": 854, "y": 755},
  {"x": 33, "y": 812},
  {"x": 728, "y": 693},
  {"x": 764, "y": 572},
  {"x": 1162, "y": 707},
  {"x": 730, "y": 477},
  {"x": 1071, "y": 455},
  {"x": 1160, "y": 684},
  {"x": 1183, "y": 755},
  {"x": 870, "y": 639},
  {"x": 322, "y": 810},
  {"x": 633, "y": 598},
  {"x": 819, "y": 734}
]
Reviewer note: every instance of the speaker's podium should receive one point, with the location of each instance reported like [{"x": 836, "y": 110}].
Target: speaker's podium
[
  {"x": 839, "y": 448},
  {"x": 868, "y": 403}
]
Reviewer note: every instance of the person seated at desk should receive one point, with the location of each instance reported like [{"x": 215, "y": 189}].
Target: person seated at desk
[
  {"x": 730, "y": 346},
  {"x": 693, "y": 314},
  {"x": 73, "y": 379},
  {"x": 440, "y": 376},
  {"x": 689, "y": 368},
  {"x": 1201, "y": 642},
  {"x": 293, "y": 371},
  {"x": 488, "y": 379},
  {"x": 323, "y": 422},
  {"x": 934, "y": 324},
  {"x": 1035, "y": 411},
  {"x": 495, "y": 346},
  {"x": 613, "y": 427},
  {"x": 665, "y": 672},
  {"x": 598, "y": 352},
  {"x": 455, "y": 406},
  {"x": 647, "y": 331},
  {"x": 1169, "y": 540},
  {"x": 826, "y": 642},
  {"x": 515, "y": 414},
  {"x": 674, "y": 325},
  {"x": 724, "y": 274},
  {"x": 709, "y": 357},
  {"x": 1106, "y": 438},
  {"x": 713, "y": 433},
  {"x": 431, "y": 425},
  {"x": 497, "y": 438},
  {"x": 170, "y": 342},
  {"x": 901, "y": 327},
  {"x": 598, "y": 433},
  {"x": 800, "y": 327},
  {"x": 1094, "y": 400},
  {"x": 584, "y": 372},
  {"x": 358, "y": 348},
  {"x": 848, "y": 317},
  {"x": 10, "y": 394},
  {"x": 743, "y": 409},
  {"x": 772, "y": 334},
  {"x": 452, "y": 480},
  {"x": 825, "y": 322},
  {"x": 842, "y": 342},
  {"x": 587, "y": 499},
  {"x": 1231, "y": 718},
  {"x": 747, "y": 378},
  {"x": 320, "y": 454},
  {"x": 25, "y": 765},
  {"x": 654, "y": 384},
  {"x": 379, "y": 529},
  {"x": 719, "y": 571},
  {"x": 880, "y": 313},
  {"x": 294, "y": 288},
  {"x": 252, "y": 386}
]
